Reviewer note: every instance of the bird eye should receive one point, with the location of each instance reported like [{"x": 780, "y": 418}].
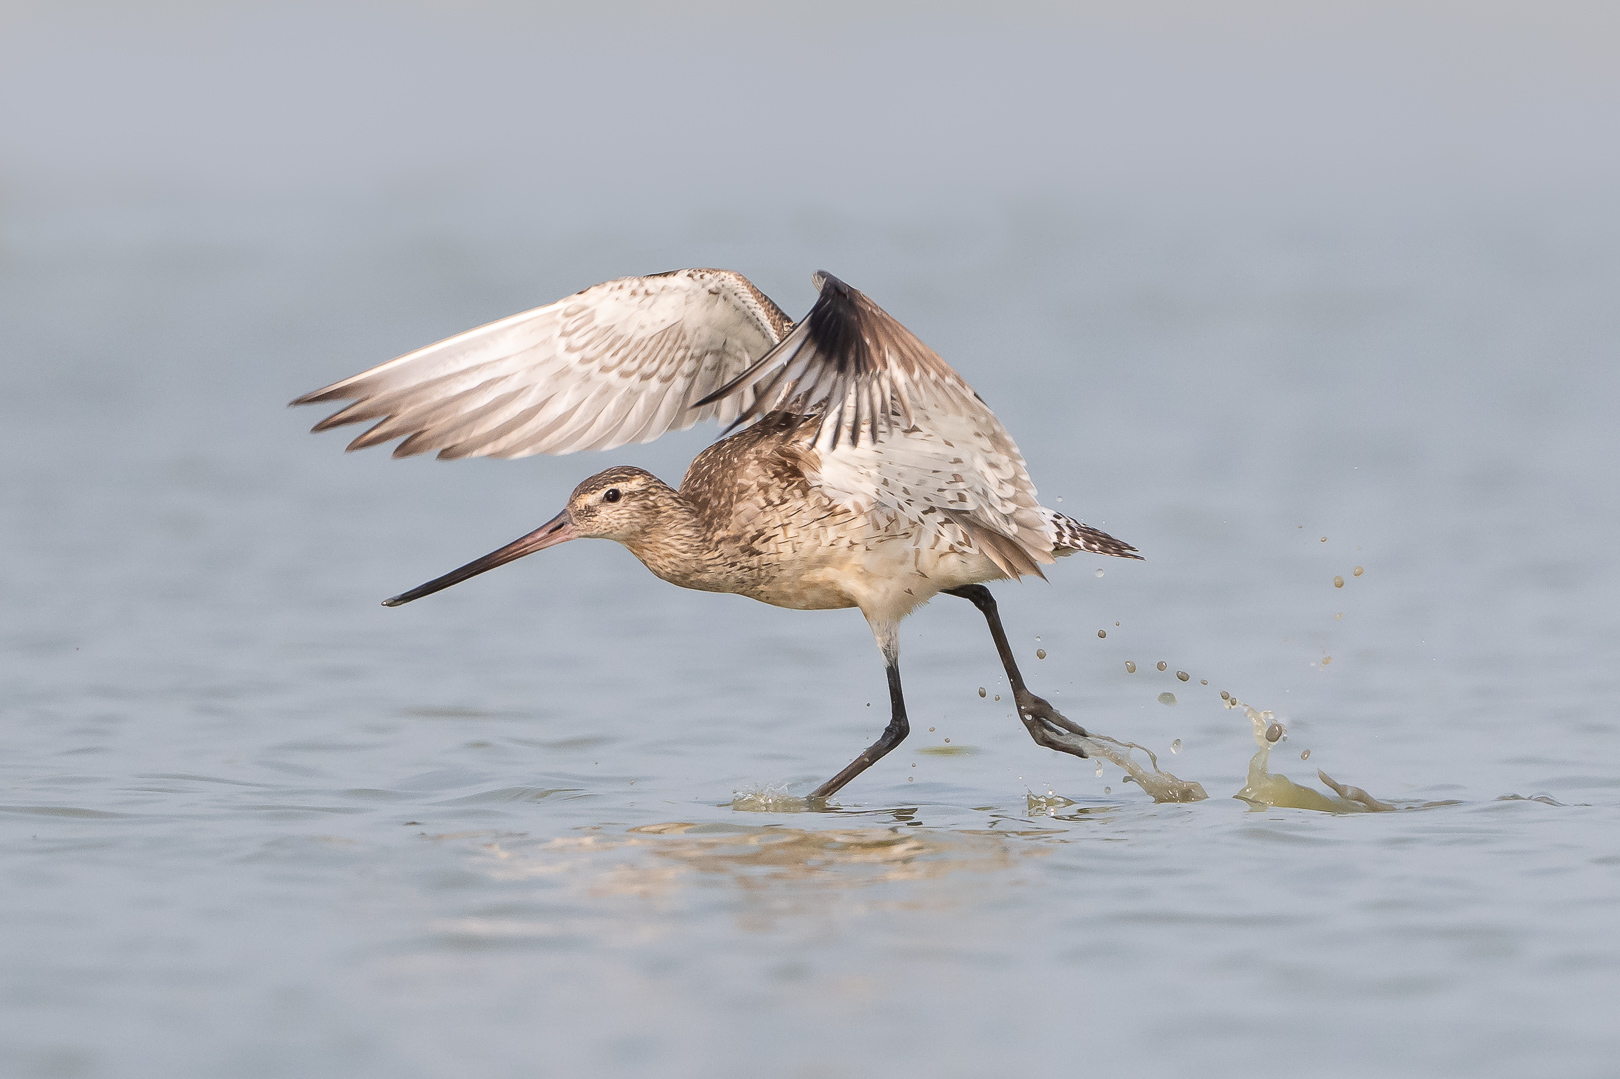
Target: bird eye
[{"x": 610, "y": 495}]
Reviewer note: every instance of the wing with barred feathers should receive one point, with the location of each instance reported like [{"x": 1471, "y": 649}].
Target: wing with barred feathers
[
  {"x": 962, "y": 467},
  {"x": 853, "y": 364},
  {"x": 623, "y": 361}
]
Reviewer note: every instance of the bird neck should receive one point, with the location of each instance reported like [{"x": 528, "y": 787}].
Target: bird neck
[{"x": 676, "y": 546}]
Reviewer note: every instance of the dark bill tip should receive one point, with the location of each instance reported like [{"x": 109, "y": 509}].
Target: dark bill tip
[{"x": 557, "y": 530}]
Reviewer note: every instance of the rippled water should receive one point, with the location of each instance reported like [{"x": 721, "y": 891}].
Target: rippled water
[{"x": 255, "y": 824}]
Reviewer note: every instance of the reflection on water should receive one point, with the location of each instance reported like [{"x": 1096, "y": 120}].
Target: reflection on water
[{"x": 655, "y": 861}]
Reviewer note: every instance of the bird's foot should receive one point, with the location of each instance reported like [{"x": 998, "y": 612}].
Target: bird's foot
[{"x": 1048, "y": 726}]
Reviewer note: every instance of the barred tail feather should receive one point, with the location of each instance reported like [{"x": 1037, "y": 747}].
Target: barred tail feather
[{"x": 1071, "y": 536}]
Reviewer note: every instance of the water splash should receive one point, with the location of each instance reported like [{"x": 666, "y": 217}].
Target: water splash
[
  {"x": 1264, "y": 790},
  {"x": 1045, "y": 805},
  {"x": 1159, "y": 784},
  {"x": 768, "y": 798}
]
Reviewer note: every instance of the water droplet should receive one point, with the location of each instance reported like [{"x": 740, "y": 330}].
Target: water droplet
[
  {"x": 1339, "y": 615},
  {"x": 1326, "y": 660},
  {"x": 1060, "y": 498},
  {"x": 1357, "y": 571},
  {"x": 1203, "y": 681},
  {"x": 1040, "y": 653},
  {"x": 930, "y": 730},
  {"x": 1037, "y": 638},
  {"x": 1162, "y": 665},
  {"x": 1182, "y": 675},
  {"x": 1130, "y": 666},
  {"x": 1099, "y": 573},
  {"x": 947, "y": 739},
  {"x": 1116, "y": 623},
  {"x": 1167, "y": 698},
  {"x": 911, "y": 779},
  {"x": 1338, "y": 582},
  {"x": 998, "y": 696},
  {"x": 1108, "y": 790},
  {"x": 1099, "y": 769},
  {"x": 914, "y": 764},
  {"x": 1304, "y": 754},
  {"x": 1274, "y": 732},
  {"x": 1225, "y": 696},
  {"x": 1102, "y": 633},
  {"x": 981, "y": 691},
  {"x": 1324, "y": 539},
  {"x": 1175, "y": 747}
]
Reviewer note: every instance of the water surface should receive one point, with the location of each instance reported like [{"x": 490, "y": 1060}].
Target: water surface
[{"x": 255, "y": 824}]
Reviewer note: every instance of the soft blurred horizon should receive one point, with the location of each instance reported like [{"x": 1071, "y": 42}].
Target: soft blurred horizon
[{"x": 559, "y": 110}]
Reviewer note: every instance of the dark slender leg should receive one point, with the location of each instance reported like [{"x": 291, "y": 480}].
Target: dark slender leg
[
  {"x": 1040, "y": 718},
  {"x": 892, "y": 735}
]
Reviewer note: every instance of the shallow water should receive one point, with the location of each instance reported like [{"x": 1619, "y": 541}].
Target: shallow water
[{"x": 256, "y": 824}]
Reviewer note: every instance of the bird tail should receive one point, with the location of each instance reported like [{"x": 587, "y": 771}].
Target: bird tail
[{"x": 1072, "y": 536}]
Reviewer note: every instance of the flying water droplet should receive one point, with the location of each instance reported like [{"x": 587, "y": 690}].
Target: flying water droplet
[
  {"x": 1225, "y": 696},
  {"x": 998, "y": 696},
  {"x": 1203, "y": 681},
  {"x": 1326, "y": 660},
  {"x": 930, "y": 730},
  {"x": 1162, "y": 665},
  {"x": 1175, "y": 747},
  {"x": 1099, "y": 573},
  {"x": 1182, "y": 675},
  {"x": 1108, "y": 790},
  {"x": 947, "y": 739},
  {"x": 1102, "y": 633},
  {"x": 1338, "y": 582},
  {"x": 1357, "y": 571},
  {"x": 1040, "y": 653},
  {"x": 1324, "y": 539},
  {"x": 1304, "y": 754},
  {"x": 1274, "y": 732},
  {"x": 1099, "y": 769},
  {"x": 1167, "y": 698},
  {"x": 1130, "y": 666},
  {"x": 981, "y": 691}
]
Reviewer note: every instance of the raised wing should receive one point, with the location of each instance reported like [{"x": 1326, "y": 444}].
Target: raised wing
[
  {"x": 623, "y": 361},
  {"x": 850, "y": 361}
]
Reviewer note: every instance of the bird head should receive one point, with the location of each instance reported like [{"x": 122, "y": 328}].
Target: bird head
[{"x": 620, "y": 504}]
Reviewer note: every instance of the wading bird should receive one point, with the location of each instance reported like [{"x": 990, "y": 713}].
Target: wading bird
[{"x": 866, "y": 473}]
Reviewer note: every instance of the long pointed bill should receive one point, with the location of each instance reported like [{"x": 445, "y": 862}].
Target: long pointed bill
[{"x": 557, "y": 530}]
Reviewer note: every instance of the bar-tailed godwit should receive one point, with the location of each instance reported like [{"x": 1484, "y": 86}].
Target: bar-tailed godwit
[{"x": 866, "y": 473}]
